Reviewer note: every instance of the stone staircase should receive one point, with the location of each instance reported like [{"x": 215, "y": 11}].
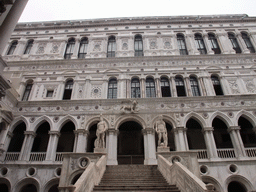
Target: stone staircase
[{"x": 131, "y": 178}]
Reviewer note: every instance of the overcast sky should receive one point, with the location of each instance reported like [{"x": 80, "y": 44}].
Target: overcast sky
[{"x": 50, "y": 10}]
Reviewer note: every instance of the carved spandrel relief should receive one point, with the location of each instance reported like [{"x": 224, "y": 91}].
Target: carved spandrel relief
[
  {"x": 167, "y": 43},
  {"x": 125, "y": 44},
  {"x": 55, "y": 48},
  {"x": 97, "y": 46},
  {"x": 41, "y": 48},
  {"x": 250, "y": 86},
  {"x": 152, "y": 43},
  {"x": 80, "y": 91},
  {"x": 96, "y": 92},
  {"x": 234, "y": 87}
]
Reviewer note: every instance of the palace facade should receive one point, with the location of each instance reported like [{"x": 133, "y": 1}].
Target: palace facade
[{"x": 197, "y": 73}]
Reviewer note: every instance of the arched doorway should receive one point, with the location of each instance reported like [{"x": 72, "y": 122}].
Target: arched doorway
[
  {"x": 91, "y": 138},
  {"x": 29, "y": 188},
  {"x": 235, "y": 186},
  {"x": 130, "y": 148},
  {"x": 195, "y": 135}
]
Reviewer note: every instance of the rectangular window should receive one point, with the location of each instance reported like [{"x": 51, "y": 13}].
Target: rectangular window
[{"x": 49, "y": 93}]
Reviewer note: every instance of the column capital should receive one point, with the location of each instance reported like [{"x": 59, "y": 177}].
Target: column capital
[
  {"x": 30, "y": 133},
  {"x": 9, "y": 134},
  {"x": 81, "y": 132},
  {"x": 208, "y": 129},
  {"x": 112, "y": 131},
  {"x": 54, "y": 133},
  {"x": 177, "y": 129},
  {"x": 148, "y": 131},
  {"x": 234, "y": 128}
]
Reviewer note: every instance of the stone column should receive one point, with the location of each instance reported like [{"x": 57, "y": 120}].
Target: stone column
[
  {"x": 173, "y": 87},
  {"x": 75, "y": 51},
  {"x": 237, "y": 142},
  {"x": 192, "y": 49},
  {"x": 158, "y": 87},
  {"x": 210, "y": 142},
  {"x": 143, "y": 87},
  {"x": 52, "y": 145},
  {"x": 128, "y": 88},
  {"x": 208, "y": 86},
  {"x": 207, "y": 45},
  {"x": 112, "y": 146},
  {"x": 27, "y": 145},
  {"x": 149, "y": 146},
  {"x": 3, "y": 133},
  {"x": 10, "y": 22},
  {"x": 80, "y": 140},
  {"x": 253, "y": 39},
  {"x": 242, "y": 44},
  {"x": 225, "y": 44},
  {"x": 180, "y": 143},
  {"x": 187, "y": 86},
  {"x": 203, "y": 89},
  {"x": 225, "y": 86},
  {"x": 20, "y": 47}
]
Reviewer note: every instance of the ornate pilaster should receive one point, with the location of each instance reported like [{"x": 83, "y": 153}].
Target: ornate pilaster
[
  {"x": 149, "y": 146},
  {"x": 112, "y": 146},
  {"x": 158, "y": 87},
  {"x": 207, "y": 45},
  {"x": 242, "y": 43},
  {"x": 173, "y": 87},
  {"x": 143, "y": 87}
]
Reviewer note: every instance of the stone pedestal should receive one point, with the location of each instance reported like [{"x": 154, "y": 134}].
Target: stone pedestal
[
  {"x": 163, "y": 149},
  {"x": 100, "y": 150}
]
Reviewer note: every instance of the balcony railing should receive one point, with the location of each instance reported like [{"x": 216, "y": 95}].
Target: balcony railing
[
  {"x": 37, "y": 156},
  {"x": 202, "y": 154},
  {"x": 59, "y": 157},
  {"x": 226, "y": 153},
  {"x": 250, "y": 152},
  {"x": 12, "y": 156}
]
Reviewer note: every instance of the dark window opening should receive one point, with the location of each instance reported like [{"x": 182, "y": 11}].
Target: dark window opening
[
  {"x": 247, "y": 133},
  {"x": 180, "y": 87},
  {"x": 12, "y": 48},
  {"x": 41, "y": 140},
  {"x": 150, "y": 88},
  {"x": 200, "y": 44},
  {"x": 194, "y": 86},
  {"x": 91, "y": 138},
  {"x": 27, "y": 92},
  {"x": 54, "y": 188},
  {"x": 248, "y": 42},
  {"x": 221, "y": 135},
  {"x": 182, "y": 45},
  {"x": 83, "y": 48},
  {"x": 112, "y": 89},
  {"x": 195, "y": 135},
  {"x": 138, "y": 46},
  {"x": 69, "y": 49},
  {"x": 217, "y": 85},
  {"x": 235, "y": 186},
  {"x": 49, "y": 93},
  {"x": 29, "y": 188},
  {"x": 17, "y": 139},
  {"x": 214, "y": 44},
  {"x": 67, "y": 138},
  {"x": 111, "y": 47},
  {"x": 29, "y": 47},
  {"x": 234, "y": 43},
  {"x": 165, "y": 87},
  {"x": 68, "y": 90},
  {"x": 135, "y": 88}
]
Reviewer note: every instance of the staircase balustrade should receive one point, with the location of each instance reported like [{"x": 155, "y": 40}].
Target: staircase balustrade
[{"x": 179, "y": 175}]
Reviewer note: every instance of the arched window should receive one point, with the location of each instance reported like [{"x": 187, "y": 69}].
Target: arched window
[
  {"x": 150, "y": 87},
  {"x": 248, "y": 42},
  {"x": 112, "y": 89},
  {"x": 138, "y": 46},
  {"x": 165, "y": 87},
  {"x": 41, "y": 140},
  {"x": 68, "y": 90},
  {"x": 29, "y": 46},
  {"x": 135, "y": 88},
  {"x": 234, "y": 42},
  {"x": 182, "y": 45},
  {"x": 111, "y": 46},
  {"x": 83, "y": 48},
  {"x": 180, "y": 87},
  {"x": 216, "y": 85},
  {"x": 214, "y": 43},
  {"x": 194, "y": 86},
  {"x": 67, "y": 138},
  {"x": 69, "y": 48},
  {"x": 247, "y": 133},
  {"x": 27, "y": 91},
  {"x": 12, "y": 48},
  {"x": 200, "y": 44},
  {"x": 17, "y": 138}
]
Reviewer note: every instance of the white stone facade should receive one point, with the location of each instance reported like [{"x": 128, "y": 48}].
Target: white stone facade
[{"x": 228, "y": 154}]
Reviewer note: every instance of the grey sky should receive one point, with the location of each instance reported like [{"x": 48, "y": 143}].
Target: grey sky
[{"x": 49, "y": 10}]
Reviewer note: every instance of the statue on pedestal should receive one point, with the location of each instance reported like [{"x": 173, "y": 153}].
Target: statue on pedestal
[
  {"x": 100, "y": 133},
  {"x": 161, "y": 130}
]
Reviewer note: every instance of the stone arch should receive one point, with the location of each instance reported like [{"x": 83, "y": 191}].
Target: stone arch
[
  {"x": 18, "y": 186},
  {"x": 50, "y": 183},
  {"x": 135, "y": 77},
  {"x": 93, "y": 121},
  {"x": 73, "y": 176},
  {"x": 150, "y": 76},
  {"x": 208, "y": 179},
  {"x": 17, "y": 121},
  {"x": 40, "y": 121},
  {"x": 126, "y": 118},
  {"x": 6, "y": 182},
  {"x": 240, "y": 179},
  {"x": 196, "y": 117},
  {"x": 247, "y": 115},
  {"x": 221, "y": 116},
  {"x": 165, "y": 76},
  {"x": 64, "y": 120}
]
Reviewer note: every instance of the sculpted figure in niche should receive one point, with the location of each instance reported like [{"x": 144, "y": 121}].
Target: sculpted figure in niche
[
  {"x": 161, "y": 130},
  {"x": 100, "y": 133},
  {"x": 130, "y": 108}
]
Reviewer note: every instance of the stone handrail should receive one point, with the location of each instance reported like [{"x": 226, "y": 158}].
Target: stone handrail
[
  {"x": 179, "y": 175},
  {"x": 91, "y": 176}
]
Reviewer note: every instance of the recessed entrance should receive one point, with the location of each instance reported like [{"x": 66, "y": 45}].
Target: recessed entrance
[
  {"x": 130, "y": 144},
  {"x": 235, "y": 186}
]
